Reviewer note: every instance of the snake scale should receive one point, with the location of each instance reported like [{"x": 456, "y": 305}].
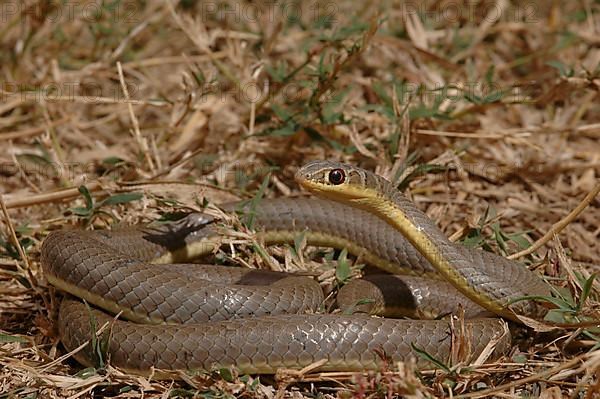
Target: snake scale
[{"x": 190, "y": 317}]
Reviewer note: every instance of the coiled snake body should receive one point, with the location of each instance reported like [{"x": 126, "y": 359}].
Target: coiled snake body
[{"x": 189, "y": 317}]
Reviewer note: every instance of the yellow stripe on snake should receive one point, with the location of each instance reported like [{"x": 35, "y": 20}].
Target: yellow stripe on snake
[{"x": 190, "y": 317}]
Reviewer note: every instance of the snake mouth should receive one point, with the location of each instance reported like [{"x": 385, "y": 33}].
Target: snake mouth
[{"x": 332, "y": 192}]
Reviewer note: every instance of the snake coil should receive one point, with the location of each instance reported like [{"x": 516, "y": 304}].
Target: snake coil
[{"x": 206, "y": 317}]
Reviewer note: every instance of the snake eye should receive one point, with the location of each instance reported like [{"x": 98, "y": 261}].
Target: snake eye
[{"x": 337, "y": 176}]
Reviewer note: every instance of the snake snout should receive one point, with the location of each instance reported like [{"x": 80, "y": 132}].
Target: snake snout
[{"x": 300, "y": 176}]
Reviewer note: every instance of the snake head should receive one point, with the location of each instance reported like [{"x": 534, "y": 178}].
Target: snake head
[{"x": 336, "y": 180}]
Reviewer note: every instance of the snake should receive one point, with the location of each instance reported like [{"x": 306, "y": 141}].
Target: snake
[{"x": 165, "y": 316}]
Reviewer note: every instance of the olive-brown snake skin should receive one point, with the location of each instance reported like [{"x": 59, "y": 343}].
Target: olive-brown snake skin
[{"x": 202, "y": 318}]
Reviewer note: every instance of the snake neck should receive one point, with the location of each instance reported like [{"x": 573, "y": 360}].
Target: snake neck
[{"x": 393, "y": 207}]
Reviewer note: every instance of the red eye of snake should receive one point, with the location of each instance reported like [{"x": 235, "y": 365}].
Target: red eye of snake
[{"x": 337, "y": 176}]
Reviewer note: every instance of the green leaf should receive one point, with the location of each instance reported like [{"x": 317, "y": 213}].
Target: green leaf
[
  {"x": 299, "y": 239},
  {"x": 520, "y": 240},
  {"x": 473, "y": 98},
  {"x": 281, "y": 113},
  {"x": 79, "y": 211},
  {"x": 89, "y": 201},
  {"x": 410, "y": 160},
  {"x": 420, "y": 170},
  {"x": 519, "y": 358},
  {"x": 564, "y": 70},
  {"x": 277, "y": 73},
  {"x": 314, "y": 134},
  {"x": 555, "y": 316},
  {"x": 120, "y": 199},
  {"x": 558, "y": 302},
  {"x": 285, "y": 131},
  {"x": 256, "y": 200},
  {"x": 112, "y": 161},
  {"x": 343, "y": 271},
  {"x": 585, "y": 291},
  {"x": 489, "y": 75},
  {"x": 388, "y": 112},
  {"x": 96, "y": 346},
  {"x": 380, "y": 90},
  {"x": 565, "y": 294},
  {"x": 474, "y": 239},
  {"x": 86, "y": 373},
  {"x": 254, "y": 384},
  {"x": 5, "y": 338},
  {"x": 12, "y": 251},
  {"x": 365, "y": 301},
  {"x": 352, "y": 308},
  {"x": 226, "y": 374},
  {"x": 493, "y": 97},
  {"x": 183, "y": 393},
  {"x": 261, "y": 252},
  {"x": 499, "y": 236},
  {"x": 566, "y": 39},
  {"x": 426, "y": 356},
  {"x": 36, "y": 159},
  {"x": 23, "y": 229}
]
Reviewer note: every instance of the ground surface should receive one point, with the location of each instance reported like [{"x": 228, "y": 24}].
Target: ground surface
[{"x": 486, "y": 113}]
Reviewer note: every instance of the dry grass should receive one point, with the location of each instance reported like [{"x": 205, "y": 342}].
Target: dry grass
[{"x": 486, "y": 113}]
